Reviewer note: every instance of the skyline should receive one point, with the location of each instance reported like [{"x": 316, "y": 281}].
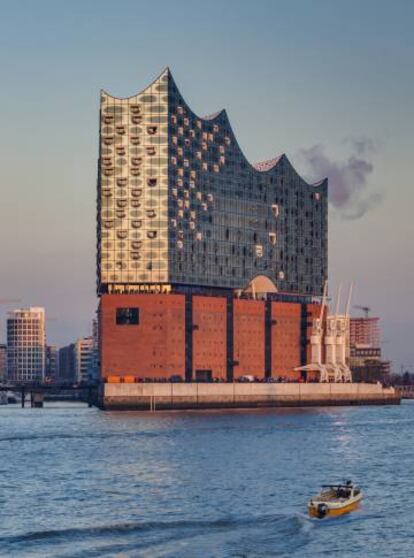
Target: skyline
[{"x": 50, "y": 145}]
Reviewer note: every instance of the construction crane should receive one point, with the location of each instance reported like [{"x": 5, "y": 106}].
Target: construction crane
[{"x": 365, "y": 309}]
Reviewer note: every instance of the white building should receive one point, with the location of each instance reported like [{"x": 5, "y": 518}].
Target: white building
[
  {"x": 26, "y": 339},
  {"x": 84, "y": 359}
]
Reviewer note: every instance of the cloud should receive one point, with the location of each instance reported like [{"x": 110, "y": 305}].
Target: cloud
[{"x": 348, "y": 180}]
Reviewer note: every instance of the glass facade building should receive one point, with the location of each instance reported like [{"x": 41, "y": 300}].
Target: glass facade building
[{"x": 180, "y": 205}]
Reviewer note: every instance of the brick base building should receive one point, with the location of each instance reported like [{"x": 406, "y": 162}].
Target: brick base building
[{"x": 194, "y": 337}]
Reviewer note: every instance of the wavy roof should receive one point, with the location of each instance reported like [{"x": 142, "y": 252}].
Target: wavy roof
[
  {"x": 264, "y": 166},
  {"x": 261, "y": 166}
]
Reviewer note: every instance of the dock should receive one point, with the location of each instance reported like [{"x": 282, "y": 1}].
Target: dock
[{"x": 168, "y": 396}]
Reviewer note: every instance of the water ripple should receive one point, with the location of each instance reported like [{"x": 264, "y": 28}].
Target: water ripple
[{"x": 78, "y": 483}]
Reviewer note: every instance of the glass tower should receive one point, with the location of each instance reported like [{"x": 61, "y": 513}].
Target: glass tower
[{"x": 180, "y": 205}]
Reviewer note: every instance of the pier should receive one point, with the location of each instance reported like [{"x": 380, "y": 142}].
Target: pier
[{"x": 156, "y": 396}]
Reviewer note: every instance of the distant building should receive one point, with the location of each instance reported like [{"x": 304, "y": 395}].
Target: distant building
[
  {"x": 84, "y": 359},
  {"x": 365, "y": 358},
  {"x": 77, "y": 361},
  {"x": 364, "y": 331},
  {"x": 52, "y": 362},
  {"x": 26, "y": 345},
  {"x": 95, "y": 364},
  {"x": 67, "y": 364},
  {"x": 3, "y": 363}
]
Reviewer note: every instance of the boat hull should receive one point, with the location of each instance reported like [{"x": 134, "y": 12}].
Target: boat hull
[{"x": 334, "y": 512}]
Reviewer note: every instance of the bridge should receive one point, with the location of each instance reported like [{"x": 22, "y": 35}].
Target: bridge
[{"x": 37, "y": 390}]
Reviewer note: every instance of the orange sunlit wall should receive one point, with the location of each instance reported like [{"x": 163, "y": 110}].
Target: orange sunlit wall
[
  {"x": 209, "y": 335},
  {"x": 248, "y": 336},
  {"x": 286, "y": 319},
  {"x": 153, "y": 348},
  {"x": 156, "y": 346}
]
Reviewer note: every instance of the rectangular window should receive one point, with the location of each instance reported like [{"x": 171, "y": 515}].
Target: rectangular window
[{"x": 127, "y": 316}]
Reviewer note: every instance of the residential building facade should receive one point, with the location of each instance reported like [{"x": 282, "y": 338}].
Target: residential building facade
[
  {"x": 77, "y": 361},
  {"x": 365, "y": 360},
  {"x": 52, "y": 363},
  {"x": 26, "y": 339}
]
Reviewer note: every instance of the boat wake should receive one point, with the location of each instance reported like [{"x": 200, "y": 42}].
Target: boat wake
[{"x": 253, "y": 536}]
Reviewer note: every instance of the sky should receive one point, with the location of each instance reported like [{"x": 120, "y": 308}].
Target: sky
[{"x": 328, "y": 82}]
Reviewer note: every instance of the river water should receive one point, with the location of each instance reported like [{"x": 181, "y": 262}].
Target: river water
[{"x": 78, "y": 482}]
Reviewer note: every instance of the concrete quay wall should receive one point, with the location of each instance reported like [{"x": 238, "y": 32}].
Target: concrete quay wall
[{"x": 158, "y": 396}]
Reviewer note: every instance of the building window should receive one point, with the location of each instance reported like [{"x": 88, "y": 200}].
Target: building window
[
  {"x": 259, "y": 250},
  {"x": 127, "y": 316},
  {"x": 275, "y": 209}
]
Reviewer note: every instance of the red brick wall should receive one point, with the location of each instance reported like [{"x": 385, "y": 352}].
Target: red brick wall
[
  {"x": 249, "y": 333},
  {"x": 286, "y": 339},
  {"x": 209, "y": 335},
  {"x": 154, "y": 348}
]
